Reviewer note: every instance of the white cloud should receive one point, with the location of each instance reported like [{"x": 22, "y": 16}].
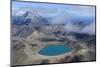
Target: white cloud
[
  {"x": 61, "y": 17},
  {"x": 90, "y": 29}
]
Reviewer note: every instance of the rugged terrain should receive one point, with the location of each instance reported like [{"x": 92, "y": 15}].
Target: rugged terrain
[{"x": 31, "y": 32}]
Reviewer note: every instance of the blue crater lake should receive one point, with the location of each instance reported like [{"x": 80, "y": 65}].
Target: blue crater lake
[{"x": 54, "y": 50}]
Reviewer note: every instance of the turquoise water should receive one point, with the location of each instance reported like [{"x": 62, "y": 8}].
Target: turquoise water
[{"x": 54, "y": 50}]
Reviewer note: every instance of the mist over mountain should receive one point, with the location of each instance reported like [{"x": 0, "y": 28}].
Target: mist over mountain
[
  {"x": 35, "y": 26},
  {"x": 72, "y": 22}
]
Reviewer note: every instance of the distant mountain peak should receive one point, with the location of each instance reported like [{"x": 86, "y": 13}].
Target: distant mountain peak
[{"x": 26, "y": 16}]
